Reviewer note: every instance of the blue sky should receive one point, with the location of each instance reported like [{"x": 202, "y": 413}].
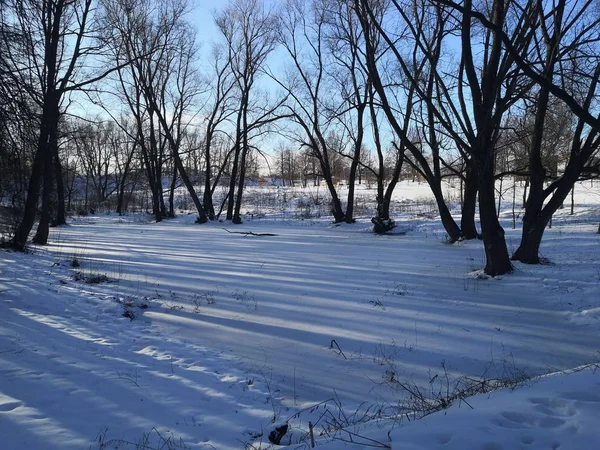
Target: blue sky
[{"x": 202, "y": 19}]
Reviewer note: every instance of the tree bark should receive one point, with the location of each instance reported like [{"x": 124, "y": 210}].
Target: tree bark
[
  {"x": 43, "y": 229},
  {"x": 448, "y": 221},
  {"x": 37, "y": 173},
  {"x": 467, "y": 220},
  {"x": 171, "y": 212},
  {"x": 209, "y": 208},
  {"x": 496, "y": 251},
  {"x": 33, "y": 191},
  {"x": 61, "y": 216},
  {"x": 349, "y": 216},
  {"x": 244, "y": 153}
]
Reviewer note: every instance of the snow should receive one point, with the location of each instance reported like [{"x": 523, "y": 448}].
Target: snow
[
  {"x": 233, "y": 334},
  {"x": 554, "y": 413}
]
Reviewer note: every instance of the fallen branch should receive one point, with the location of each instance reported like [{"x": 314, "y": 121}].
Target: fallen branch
[
  {"x": 249, "y": 233},
  {"x": 339, "y": 350}
]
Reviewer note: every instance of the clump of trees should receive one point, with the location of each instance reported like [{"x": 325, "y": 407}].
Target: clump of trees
[{"x": 352, "y": 90}]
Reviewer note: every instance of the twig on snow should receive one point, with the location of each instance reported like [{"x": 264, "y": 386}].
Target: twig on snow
[{"x": 249, "y": 233}]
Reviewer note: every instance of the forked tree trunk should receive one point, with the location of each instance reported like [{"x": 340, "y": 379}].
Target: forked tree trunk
[
  {"x": 22, "y": 233},
  {"x": 37, "y": 173},
  {"x": 538, "y": 216},
  {"x": 529, "y": 249}
]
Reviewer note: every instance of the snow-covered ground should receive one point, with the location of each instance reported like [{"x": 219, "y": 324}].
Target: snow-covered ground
[{"x": 176, "y": 335}]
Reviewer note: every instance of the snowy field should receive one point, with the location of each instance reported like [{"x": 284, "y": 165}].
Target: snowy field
[{"x": 133, "y": 335}]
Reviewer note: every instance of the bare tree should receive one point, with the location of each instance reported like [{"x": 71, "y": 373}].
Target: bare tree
[
  {"x": 124, "y": 149},
  {"x": 302, "y": 34},
  {"x": 220, "y": 109},
  {"x": 57, "y": 40},
  {"x": 567, "y": 49},
  {"x": 160, "y": 84},
  {"x": 92, "y": 141},
  {"x": 248, "y": 28},
  {"x": 350, "y": 77},
  {"x": 372, "y": 14},
  {"x": 565, "y": 65},
  {"x": 492, "y": 80}
]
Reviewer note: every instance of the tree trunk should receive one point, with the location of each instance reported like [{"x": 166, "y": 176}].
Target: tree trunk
[
  {"x": 572, "y": 200},
  {"x": 171, "y": 212},
  {"x": 496, "y": 252},
  {"x": 336, "y": 204},
  {"x": 354, "y": 166},
  {"x": 150, "y": 161},
  {"x": 244, "y": 153},
  {"x": 156, "y": 210},
  {"x": 43, "y": 229},
  {"x": 190, "y": 187},
  {"x": 529, "y": 249},
  {"x": 499, "y": 198},
  {"x": 61, "y": 216},
  {"x": 383, "y": 205},
  {"x": 233, "y": 176},
  {"x": 467, "y": 220},
  {"x": 209, "y": 208},
  {"x": 525, "y": 192},
  {"x": 120, "y": 197},
  {"x": 240, "y": 190},
  {"x": 33, "y": 191},
  {"x": 22, "y": 233},
  {"x": 537, "y": 216},
  {"x": 448, "y": 221},
  {"x": 349, "y": 216}
]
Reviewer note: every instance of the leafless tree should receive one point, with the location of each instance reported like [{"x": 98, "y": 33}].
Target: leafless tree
[
  {"x": 161, "y": 84},
  {"x": 302, "y": 34},
  {"x": 249, "y": 30},
  {"x": 400, "y": 110},
  {"x": 470, "y": 110},
  {"x": 56, "y": 40},
  {"x": 564, "y": 63},
  {"x": 219, "y": 110},
  {"x": 567, "y": 50}
]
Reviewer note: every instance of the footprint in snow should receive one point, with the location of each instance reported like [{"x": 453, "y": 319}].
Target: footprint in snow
[
  {"x": 443, "y": 439},
  {"x": 514, "y": 420},
  {"x": 556, "y": 407},
  {"x": 551, "y": 422}
]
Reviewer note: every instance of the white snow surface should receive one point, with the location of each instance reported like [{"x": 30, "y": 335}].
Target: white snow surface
[{"x": 234, "y": 334}]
